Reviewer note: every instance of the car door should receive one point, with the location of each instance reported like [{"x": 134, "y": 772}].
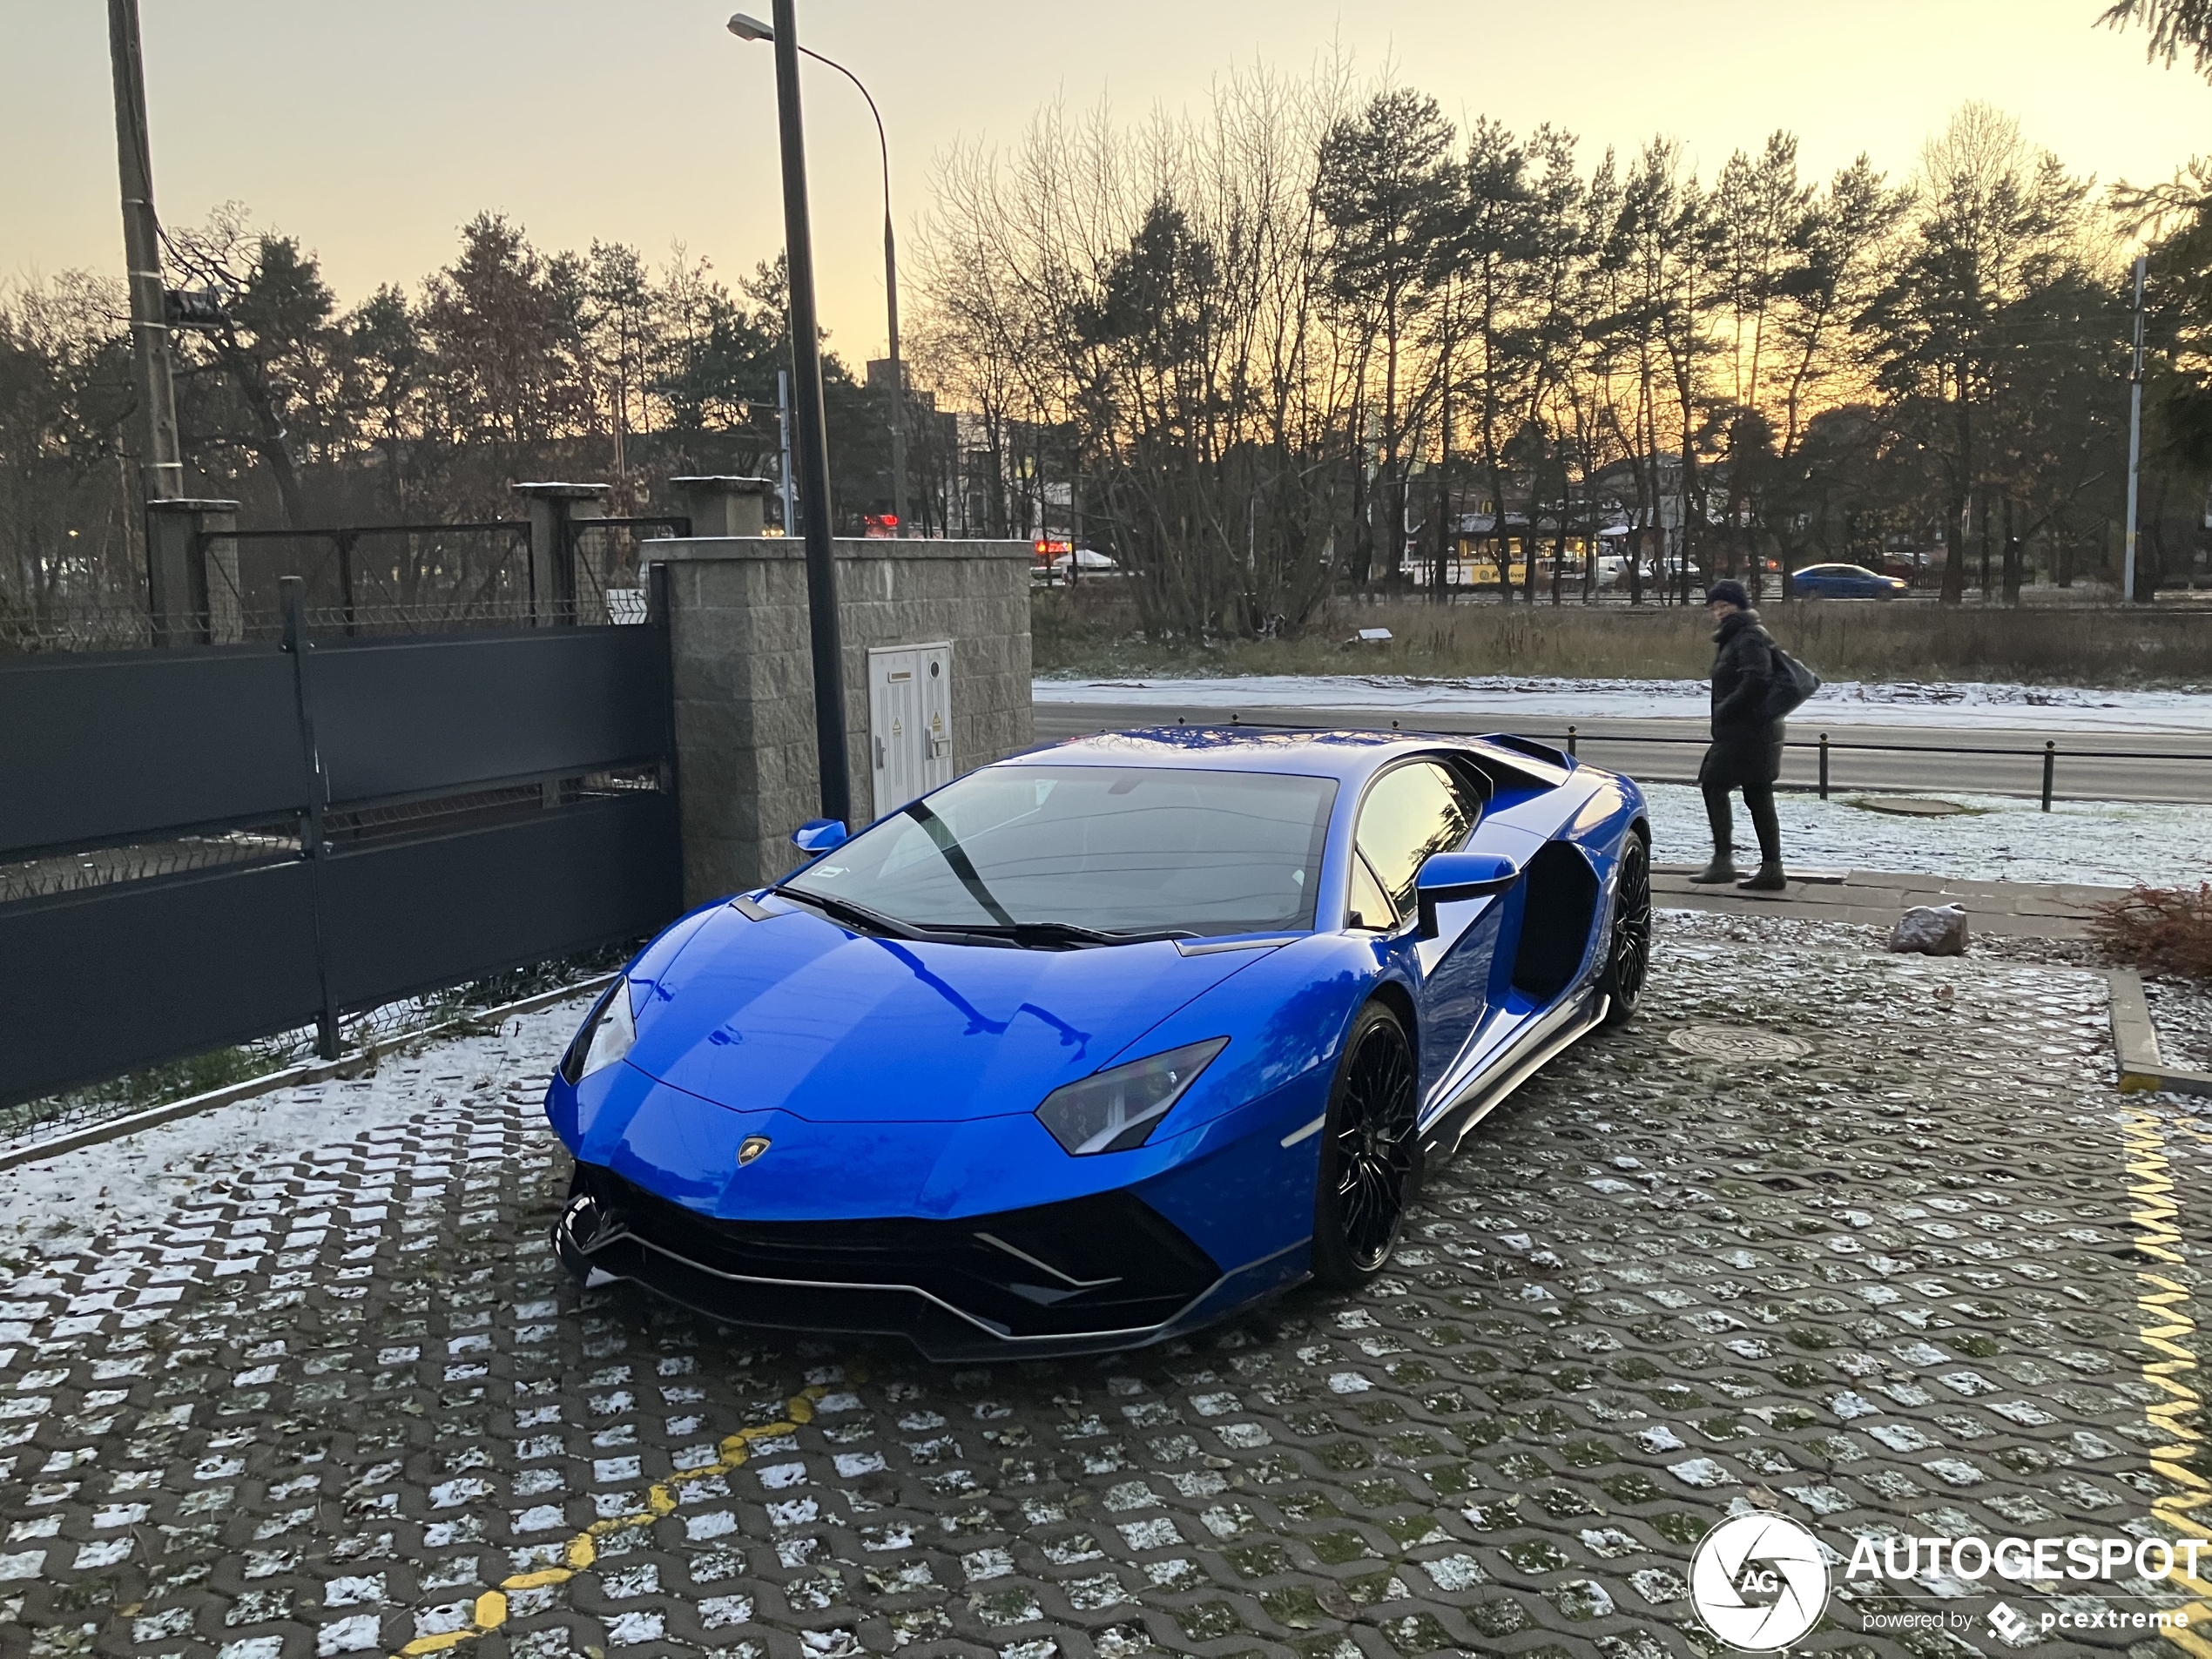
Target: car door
[{"x": 1409, "y": 813}]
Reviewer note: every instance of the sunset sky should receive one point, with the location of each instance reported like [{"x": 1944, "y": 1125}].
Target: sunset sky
[{"x": 373, "y": 132}]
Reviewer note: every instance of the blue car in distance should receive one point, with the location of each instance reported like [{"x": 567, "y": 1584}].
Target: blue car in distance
[
  {"x": 1101, "y": 1044},
  {"x": 1843, "y": 582}
]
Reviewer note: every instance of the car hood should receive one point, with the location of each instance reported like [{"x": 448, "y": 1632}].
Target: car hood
[{"x": 799, "y": 1015}]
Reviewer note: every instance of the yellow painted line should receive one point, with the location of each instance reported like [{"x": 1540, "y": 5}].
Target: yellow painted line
[
  {"x": 490, "y": 1609},
  {"x": 2162, "y": 1306}
]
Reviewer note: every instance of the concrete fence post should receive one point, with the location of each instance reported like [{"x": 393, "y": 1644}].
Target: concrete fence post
[
  {"x": 191, "y": 573},
  {"x": 723, "y": 504},
  {"x": 743, "y": 682},
  {"x": 553, "y": 509}
]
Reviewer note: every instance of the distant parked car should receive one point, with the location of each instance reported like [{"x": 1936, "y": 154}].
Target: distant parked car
[
  {"x": 1051, "y": 569},
  {"x": 1843, "y": 582}
]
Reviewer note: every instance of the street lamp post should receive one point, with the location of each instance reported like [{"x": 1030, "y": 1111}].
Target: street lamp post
[
  {"x": 746, "y": 27},
  {"x": 812, "y": 435}
]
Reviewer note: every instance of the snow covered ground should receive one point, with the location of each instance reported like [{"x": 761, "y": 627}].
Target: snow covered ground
[
  {"x": 55, "y": 1207},
  {"x": 1966, "y": 706},
  {"x": 1999, "y": 839}
]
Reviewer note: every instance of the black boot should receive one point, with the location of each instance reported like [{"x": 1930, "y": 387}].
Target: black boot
[
  {"x": 1770, "y": 878},
  {"x": 1719, "y": 872}
]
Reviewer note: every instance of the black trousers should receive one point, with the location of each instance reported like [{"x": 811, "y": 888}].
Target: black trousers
[{"x": 1751, "y": 767}]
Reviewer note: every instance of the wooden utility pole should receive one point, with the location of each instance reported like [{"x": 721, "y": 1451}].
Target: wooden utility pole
[{"x": 161, "y": 469}]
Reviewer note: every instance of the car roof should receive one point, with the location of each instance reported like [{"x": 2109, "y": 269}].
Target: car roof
[{"x": 1348, "y": 756}]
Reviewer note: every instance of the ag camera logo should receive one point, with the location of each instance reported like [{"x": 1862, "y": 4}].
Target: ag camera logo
[{"x": 1759, "y": 1581}]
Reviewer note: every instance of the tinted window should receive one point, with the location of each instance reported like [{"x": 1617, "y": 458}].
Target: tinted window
[
  {"x": 1368, "y": 906},
  {"x": 1122, "y": 848},
  {"x": 1410, "y": 813}
]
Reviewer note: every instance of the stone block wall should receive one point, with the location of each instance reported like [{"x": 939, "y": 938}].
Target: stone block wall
[{"x": 745, "y": 689}]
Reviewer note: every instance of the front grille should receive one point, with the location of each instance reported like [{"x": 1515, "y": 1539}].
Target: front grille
[{"x": 1105, "y": 1263}]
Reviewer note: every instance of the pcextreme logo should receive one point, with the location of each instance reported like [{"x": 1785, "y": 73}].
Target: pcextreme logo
[{"x": 1759, "y": 1581}]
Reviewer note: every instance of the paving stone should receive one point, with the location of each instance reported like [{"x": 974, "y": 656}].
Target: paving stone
[{"x": 332, "y": 1403}]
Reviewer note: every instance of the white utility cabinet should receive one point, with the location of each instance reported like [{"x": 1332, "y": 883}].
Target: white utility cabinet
[{"x": 910, "y": 721}]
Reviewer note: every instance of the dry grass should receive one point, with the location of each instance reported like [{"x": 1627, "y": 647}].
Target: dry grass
[
  {"x": 2160, "y": 930},
  {"x": 1094, "y": 632}
]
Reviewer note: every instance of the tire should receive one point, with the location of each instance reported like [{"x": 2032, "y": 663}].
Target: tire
[
  {"x": 1370, "y": 1152},
  {"x": 1628, "y": 948}
]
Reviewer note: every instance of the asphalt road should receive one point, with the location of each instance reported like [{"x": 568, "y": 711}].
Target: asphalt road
[{"x": 1666, "y": 751}]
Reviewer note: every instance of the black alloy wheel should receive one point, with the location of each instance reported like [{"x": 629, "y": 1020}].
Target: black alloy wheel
[
  {"x": 1370, "y": 1152},
  {"x": 1627, "y": 955}
]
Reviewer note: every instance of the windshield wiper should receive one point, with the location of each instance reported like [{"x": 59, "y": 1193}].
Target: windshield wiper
[
  {"x": 857, "y": 915},
  {"x": 1025, "y": 935},
  {"x": 1030, "y": 935},
  {"x": 956, "y": 856}
]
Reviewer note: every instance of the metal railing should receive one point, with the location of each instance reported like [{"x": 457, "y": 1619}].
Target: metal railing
[
  {"x": 474, "y": 590},
  {"x": 2048, "y": 753},
  {"x": 611, "y": 588}
]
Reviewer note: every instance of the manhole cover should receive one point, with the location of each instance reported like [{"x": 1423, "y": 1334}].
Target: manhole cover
[
  {"x": 1738, "y": 1043},
  {"x": 1909, "y": 806}
]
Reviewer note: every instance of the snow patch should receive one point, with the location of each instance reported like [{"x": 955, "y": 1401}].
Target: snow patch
[
  {"x": 1967, "y": 705},
  {"x": 60, "y": 1205},
  {"x": 1999, "y": 838}
]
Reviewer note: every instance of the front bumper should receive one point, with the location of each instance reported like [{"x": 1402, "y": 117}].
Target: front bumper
[{"x": 1085, "y": 1275}]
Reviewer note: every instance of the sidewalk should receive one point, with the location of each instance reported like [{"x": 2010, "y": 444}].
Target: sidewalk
[{"x": 2020, "y": 909}]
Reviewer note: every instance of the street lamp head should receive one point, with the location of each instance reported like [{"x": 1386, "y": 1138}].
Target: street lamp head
[{"x": 746, "y": 27}]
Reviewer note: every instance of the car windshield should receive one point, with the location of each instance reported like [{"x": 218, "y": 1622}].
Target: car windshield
[{"x": 1116, "y": 849}]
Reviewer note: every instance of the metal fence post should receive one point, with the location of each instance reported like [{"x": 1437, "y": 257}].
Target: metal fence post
[
  {"x": 346, "y": 539},
  {"x": 2050, "y": 765},
  {"x": 1570, "y": 742},
  {"x": 660, "y": 613},
  {"x": 1824, "y": 766},
  {"x": 292, "y": 601}
]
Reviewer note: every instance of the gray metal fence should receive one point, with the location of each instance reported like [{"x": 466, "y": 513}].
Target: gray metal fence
[{"x": 206, "y": 845}]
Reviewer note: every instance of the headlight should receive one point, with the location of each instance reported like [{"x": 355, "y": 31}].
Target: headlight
[
  {"x": 604, "y": 1037},
  {"x": 1112, "y": 1111}
]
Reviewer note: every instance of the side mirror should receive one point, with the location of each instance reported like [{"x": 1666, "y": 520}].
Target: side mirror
[
  {"x": 820, "y": 835},
  {"x": 1449, "y": 877}
]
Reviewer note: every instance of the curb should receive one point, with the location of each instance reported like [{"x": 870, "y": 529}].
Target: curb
[
  {"x": 314, "y": 1071},
  {"x": 2135, "y": 1040}
]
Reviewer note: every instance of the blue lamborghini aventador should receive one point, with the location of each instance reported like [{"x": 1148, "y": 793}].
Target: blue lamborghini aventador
[{"x": 1102, "y": 1043}]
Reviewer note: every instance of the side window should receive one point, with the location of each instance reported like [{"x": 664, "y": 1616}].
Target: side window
[
  {"x": 1370, "y": 907},
  {"x": 1409, "y": 815}
]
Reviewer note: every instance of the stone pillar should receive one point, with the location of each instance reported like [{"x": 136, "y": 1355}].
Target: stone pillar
[
  {"x": 743, "y": 678},
  {"x": 192, "y": 582},
  {"x": 552, "y": 508},
  {"x": 723, "y": 505}
]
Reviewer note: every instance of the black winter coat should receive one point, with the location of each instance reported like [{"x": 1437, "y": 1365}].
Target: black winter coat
[{"x": 1746, "y": 744}]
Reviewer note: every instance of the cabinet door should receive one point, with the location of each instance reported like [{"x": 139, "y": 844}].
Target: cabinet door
[
  {"x": 934, "y": 680},
  {"x": 894, "y": 726}
]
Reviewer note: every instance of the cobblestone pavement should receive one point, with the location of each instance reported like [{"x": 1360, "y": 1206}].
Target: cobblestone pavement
[{"x": 343, "y": 1400}]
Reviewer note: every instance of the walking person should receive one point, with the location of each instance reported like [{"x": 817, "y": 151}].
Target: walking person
[{"x": 1746, "y": 753}]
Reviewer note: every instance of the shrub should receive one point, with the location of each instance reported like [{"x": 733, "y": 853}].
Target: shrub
[
  {"x": 1095, "y": 630},
  {"x": 2161, "y": 930}
]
